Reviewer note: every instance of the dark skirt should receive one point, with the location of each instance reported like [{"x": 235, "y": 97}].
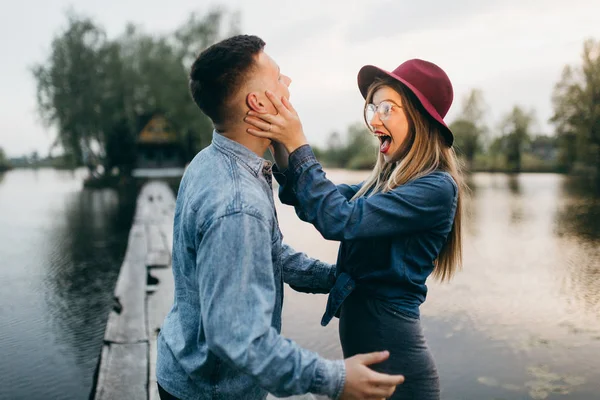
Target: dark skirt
[{"x": 368, "y": 324}]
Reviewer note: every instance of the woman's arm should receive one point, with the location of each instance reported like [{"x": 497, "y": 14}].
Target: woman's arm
[
  {"x": 284, "y": 178},
  {"x": 420, "y": 205}
]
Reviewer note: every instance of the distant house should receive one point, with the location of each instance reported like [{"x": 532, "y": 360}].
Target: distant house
[
  {"x": 159, "y": 152},
  {"x": 544, "y": 147}
]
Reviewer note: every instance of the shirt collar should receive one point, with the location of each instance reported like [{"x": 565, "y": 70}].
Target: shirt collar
[{"x": 242, "y": 153}]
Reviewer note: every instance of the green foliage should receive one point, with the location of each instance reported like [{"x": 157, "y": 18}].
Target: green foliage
[
  {"x": 4, "y": 164},
  {"x": 466, "y": 139},
  {"x": 576, "y": 101},
  {"x": 516, "y": 128},
  {"x": 94, "y": 90},
  {"x": 357, "y": 151},
  {"x": 470, "y": 127}
]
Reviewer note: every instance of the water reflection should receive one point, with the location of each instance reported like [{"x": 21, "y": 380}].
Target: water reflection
[
  {"x": 87, "y": 253},
  {"x": 517, "y": 214},
  {"x": 513, "y": 184},
  {"x": 62, "y": 248},
  {"x": 579, "y": 213},
  {"x": 522, "y": 320},
  {"x": 526, "y": 289},
  {"x": 469, "y": 211}
]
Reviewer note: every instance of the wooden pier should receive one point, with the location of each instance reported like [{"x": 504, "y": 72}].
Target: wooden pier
[{"x": 143, "y": 297}]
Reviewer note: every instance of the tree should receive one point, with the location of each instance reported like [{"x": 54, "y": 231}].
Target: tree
[
  {"x": 334, "y": 155},
  {"x": 469, "y": 128},
  {"x": 576, "y": 101},
  {"x": 466, "y": 137},
  {"x": 496, "y": 152},
  {"x": 69, "y": 86},
  {"x": 516, "y": 127},
  {"x": 4, "y": 165},
  {"x": 362, "y": 147},
  {"x": 94, "y": 90},
  {"x": 356, "y": 150}
]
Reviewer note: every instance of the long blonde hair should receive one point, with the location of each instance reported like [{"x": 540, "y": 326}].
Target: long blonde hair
[{"x": 423, "y": 151}]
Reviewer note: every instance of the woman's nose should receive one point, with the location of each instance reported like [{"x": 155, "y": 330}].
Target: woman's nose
[{"x": 375, "y": 120}]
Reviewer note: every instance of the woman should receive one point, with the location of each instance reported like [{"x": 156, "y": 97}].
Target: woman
[{"x": 398, "y": 227}]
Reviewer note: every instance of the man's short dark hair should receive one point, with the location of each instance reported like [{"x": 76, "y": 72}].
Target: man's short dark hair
[{"x": 219, "y": 71}]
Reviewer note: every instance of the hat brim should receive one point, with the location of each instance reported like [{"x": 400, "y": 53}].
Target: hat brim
[{"x": 368, "y": 74}]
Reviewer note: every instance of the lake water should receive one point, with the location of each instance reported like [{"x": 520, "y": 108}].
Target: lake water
[
  {"x": 61, "y": 249},
  {"x": 521, "y": 321}
]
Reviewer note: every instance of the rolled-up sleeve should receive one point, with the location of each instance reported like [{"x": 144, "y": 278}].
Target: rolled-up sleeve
[
  {"x": 237, "y": 296},
  {"x": 306, "y": 274}
]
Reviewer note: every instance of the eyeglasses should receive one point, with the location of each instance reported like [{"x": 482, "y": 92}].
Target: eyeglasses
[{"x": 384, "y": 109}]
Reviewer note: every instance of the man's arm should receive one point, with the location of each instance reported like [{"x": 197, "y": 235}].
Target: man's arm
[
  {"x": 237, "y": 294},
  {"x": 306, "y": 274}
]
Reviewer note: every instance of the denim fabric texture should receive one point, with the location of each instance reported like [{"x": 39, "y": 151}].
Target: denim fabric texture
[
  {"x": 221, "y": 339},
  {"x": 389, "y": 241}
]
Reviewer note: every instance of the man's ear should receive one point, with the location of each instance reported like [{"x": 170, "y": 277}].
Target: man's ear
[{"x": 255, "y": 103}]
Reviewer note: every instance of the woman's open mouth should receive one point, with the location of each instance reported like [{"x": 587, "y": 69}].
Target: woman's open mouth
[{"x": 385, "y": 141}]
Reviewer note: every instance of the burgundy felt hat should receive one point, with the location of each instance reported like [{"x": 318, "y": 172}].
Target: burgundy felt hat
[{"x": 426, "y": 80}]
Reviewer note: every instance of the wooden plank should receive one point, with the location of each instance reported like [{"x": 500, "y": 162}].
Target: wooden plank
[
  {"x": 123, "y": 372},
  {"x": 158, "y": 259},
  {"x": 156, "y": 240},
  {"x": 152, "y": 384},
  {"x": 158, "y": 252},
  {"x": 127, "y": 368},
  {"x": 167, "y": 230},
  {"x": 158, "y": 305},
  {"x": 128, "y": 325},
  {"x": 137, "y": 247},
  {"x": 161, "y": 300}
]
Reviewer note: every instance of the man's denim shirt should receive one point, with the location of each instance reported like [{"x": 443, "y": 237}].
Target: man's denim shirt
[
  {"x": 389, "y": 241},
  {"x": 221, "y": 339}
]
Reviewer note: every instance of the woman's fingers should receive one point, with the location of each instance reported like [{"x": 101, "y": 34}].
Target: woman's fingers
[
  {"x": 288, "y": 105},
  {"x": 281, "y": 109},
  {"x": 264, "y": 116},
  {"x": 259, "y": 133},
  {"x": 284, "y": 127},
  {"x": 259, "y": 123}
]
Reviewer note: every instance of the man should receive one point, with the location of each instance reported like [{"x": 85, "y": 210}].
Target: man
[{"x": 221, "y": 338}]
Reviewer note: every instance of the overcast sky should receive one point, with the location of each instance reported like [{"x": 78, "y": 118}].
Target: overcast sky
[{"x": 512, "y": 50}]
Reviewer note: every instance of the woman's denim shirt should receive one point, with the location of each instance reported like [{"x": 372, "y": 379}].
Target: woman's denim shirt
[{"x": 389, "y": 241}]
